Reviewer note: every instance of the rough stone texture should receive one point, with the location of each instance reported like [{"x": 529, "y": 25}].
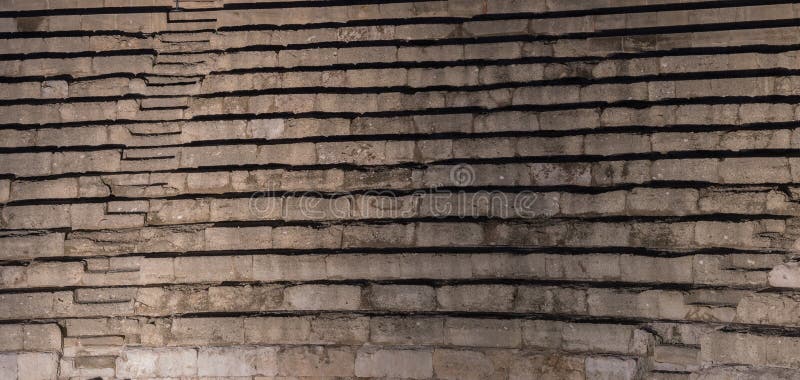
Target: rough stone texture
[{"x": 456, "y": 189}]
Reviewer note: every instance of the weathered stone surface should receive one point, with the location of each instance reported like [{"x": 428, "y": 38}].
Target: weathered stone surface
[
  {"x": 164, "y": 362},
  {"x": 407, "y": 330},
  {"x": 37, "y": 365},
  {"x": 511, "y": 189},
  {"x": 610, "y": 368},
  {"x": 408, "y": 364},
  {"x": 30, "y": 246},
  {"x": 316, "y": 361},
  {"x": 483, "y": 333},
  {"x": 402, "y": 297},
  {"x": 237, "y": 361}
]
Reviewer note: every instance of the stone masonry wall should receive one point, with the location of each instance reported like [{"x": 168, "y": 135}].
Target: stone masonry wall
[{"x": 406, "y": 189}]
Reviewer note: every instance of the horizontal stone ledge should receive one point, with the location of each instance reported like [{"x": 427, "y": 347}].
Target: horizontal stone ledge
[
  {"x": 471, "y": 156},
  {"x": 541, "y": 68},
  {"x": 371, "y": 81},
  {"x": 720, "y": 122},
  {"x": 352, "y": 361},
  {"x": 385, "y": 332},
  {"x": 24, "y": 8},
  {"x": 127, "y": 197},
  {"x": 295, "y": 52},
  {"x": 538, "y": 99},
  {"x": 466, "y": 147},
  {"x": 266, "y": 180},
  {"x": 294, "y": 55},
  {"x": 502, "y": 6},
  {"x": 307, "y": 17},
  {"x": 389, "y": 12},
  {"x": 731, "y": 348},
  {"x": 499, "y": 301},
  {"x": 732, "y": 371},
  {"x": 50, "y": 246},
  {"x": 686, "y": 235},
  {"x": 29, "y": 365},
  {"x": 413, "y": 75},
  {"x": 123, "y": 23},
  {"x": 740, "y": 270},
  {"x": 638, "y": 204},
  {"x": 30, "y": 338}
]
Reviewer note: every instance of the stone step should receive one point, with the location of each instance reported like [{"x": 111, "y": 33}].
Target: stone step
[
  {"x": 666, "y": 375},
  {"x": 184, "y": 47},
  {"x": 160, "y": 114},
  {"x": 182, "y": 16},
  {"x": 174, "y": 90},
  {"x": 150, "y": 153},
  {"x": 676, "y": 358},
  {"x": 199, "y": 4},
  {"x": 172, "y": 80},
  {"x": 165, "y": 103},
  {"x": 202, "y": 25},
  {"x": 89, "y": 366},
  {"x": 108, "y": 295},
  {"x": 185, "y": 37},
  {"x": 184, "y": 58},
  {"x": 181, "y": 69}
]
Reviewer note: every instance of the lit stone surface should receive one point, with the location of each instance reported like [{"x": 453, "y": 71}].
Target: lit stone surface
[{"x": 455, "y": 189}]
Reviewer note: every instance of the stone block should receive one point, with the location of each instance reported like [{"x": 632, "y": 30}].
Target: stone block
[
  {"x": 247, "y": 297},
  {"x": 31, "y": 246},
  {"x": 394, "y": 363},
  {"x": 213, "y": 268},
  {"x": 704, "y": 170},
  {"x": 13, "y": 338},
  {"x": 618, "y": 143},
  {"x": 462, "y": 364},
  {"x": 339, "y": 330},
  {"x": 610, "y": 203},
  {"x": 608, "y": 368},
  {"x": 449, "y": 234},
  {"x": 402, "y": 297},
  {"x": 316, "y": 361},
  {"x": 237, "y": 361},
  {"x": 755, "y": 170},
  {"x": 476, "y": 298},
  {"x": 44, "y": 337},
  {"x": 206, "y": 331},
  {"x": 388, "y": 235},
  {"x": 157, "y": 362},
  {"x": 555, "y": 174},
  {"x": 277, "y": 330},
  {"x": 482, "y": 332},
  {"x": 646, "y": 201},
  {"x": 605, "y": 338},
  {"x": 555, "y": 366},
  {"x": 237, "y": 238},
  {"x": 403, "y": 331},
  {"x": 37, "y": 366},
  {"x": 8, "y": 365},
  {"x": 62, "y": 188},
  {"x": 35, "y": 216},
  {"x": 306, "y": 237},
  {"x": 95, "y": 216},
  {"x": 323, "y": 297},
  {"x": 289, "y": 267},
  {"x": 733, "y": 348}
]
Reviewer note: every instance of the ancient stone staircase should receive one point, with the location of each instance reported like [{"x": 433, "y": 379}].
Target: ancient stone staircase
[
  {"x": 642, "y": 163},
  {"x": 182, "y": 58},
  {"x": 181, "y": 63}
]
